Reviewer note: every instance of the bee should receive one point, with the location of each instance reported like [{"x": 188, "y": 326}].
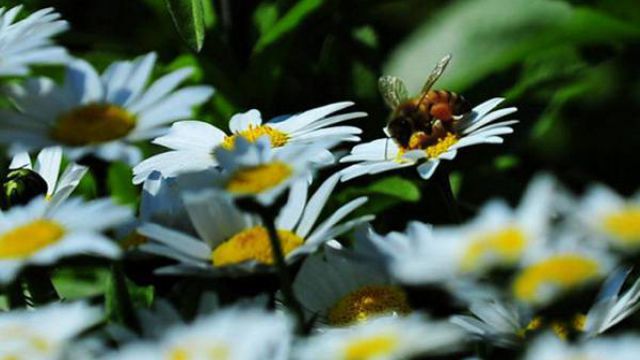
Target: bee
[{"x": 416, "y": 123}]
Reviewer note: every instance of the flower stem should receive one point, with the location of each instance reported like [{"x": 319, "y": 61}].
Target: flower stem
[
  {"x": 283, "y": 273},
  {"x": 121, "y": 302},
  {"x": 15, "y": 295},
  {"x": 442, "y": 179}
]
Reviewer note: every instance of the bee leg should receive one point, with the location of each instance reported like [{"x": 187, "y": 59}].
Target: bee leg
[
  {"x": 438, "y": 130},
  {"x": 417, "y": 140}
]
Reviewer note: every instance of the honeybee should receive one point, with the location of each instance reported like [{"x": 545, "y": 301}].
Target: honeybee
[{"x": 416, "y": 123}]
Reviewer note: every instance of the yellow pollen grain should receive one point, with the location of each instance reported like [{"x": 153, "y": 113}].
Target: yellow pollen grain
[
  {"x": 254, "y": 132},
  {"x": 93, "y": 123},
  {"x": 368, "y": 301},
  {"x": 30, "y": 238},
  {"x": 504, "y": 245},
  {"x": 561, "y": 271},
  {"x": 380, "y": 346},
  {"x": 257, "y": 179},
  {"x": 624, "y": 225},
  {"x": 442, "y": 146},
  {"x": 253, "y": 244}
]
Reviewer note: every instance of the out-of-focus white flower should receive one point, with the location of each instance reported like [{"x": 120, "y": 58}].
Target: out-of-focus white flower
[
  {"x": 45, "y": 333},
  {"x": 39, "y": 234},
  {"x": 550, "y": 347},
  {"x": 338, "y": 290},
  {"x": 385, "y": 154},
  {"x": 611, "y": 218},
  {"x": 237, "y": 333},
  {"x": 28, "y": 42},
  {"x": 385, "y": 338},
  {"x": 47, "y": 166},
  {"x": 193, "y": 143},
  {"x": 232, "y": 242},
  {"x": 98, "y": 115}
]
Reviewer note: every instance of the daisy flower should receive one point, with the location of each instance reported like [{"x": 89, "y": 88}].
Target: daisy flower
[
  {"x": 232, "y": 333},
  {"x": 549, "y": 347},
  {"x": 549, "y": 273},
  {"x": 385, "y": 154},
  {"x": 611, "y": 217},
  {"x": 28, "y": 42},
  {"x": 232, "y": 242},
  {"x": 98, "y": 115},
  {"x": 338, "y": 290},
  {"x": 192, "y": 143},
  {"x": 385, "y": 338},
  {"x": 255, "y": 170},
  {"x": 40, "y": 235},
  {"x": 44, "y": 333},
  {"x": 27, "y": 180}
]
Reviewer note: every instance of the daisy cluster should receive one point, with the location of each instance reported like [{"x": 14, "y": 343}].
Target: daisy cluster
[{"x": 239, "y": 250}]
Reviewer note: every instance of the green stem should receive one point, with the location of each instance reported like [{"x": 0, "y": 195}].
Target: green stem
[
  {"x": 283, "y": 273},
  {"x": 442, "y": 179},
  {"x": 122, "y": 304},
  {"x": 41, "y": 289}
]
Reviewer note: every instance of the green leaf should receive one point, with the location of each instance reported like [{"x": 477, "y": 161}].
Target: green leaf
[
  {"x": 120, "y": 186},
  {"x": 189, "y": 19},
  {"x": 485, "y": 36},
  {"x": 300, "y": 11},
  {"x": 396, "y": 187}
]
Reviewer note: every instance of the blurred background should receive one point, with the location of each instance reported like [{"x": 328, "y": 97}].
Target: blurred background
[{"x": 571, "y": 67}]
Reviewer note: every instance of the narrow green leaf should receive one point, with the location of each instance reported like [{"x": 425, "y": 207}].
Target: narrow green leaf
[
  {"x": 300, "y": 11},
  {"x": 189, "y": 19},
  {"x": 120, "y": 186},
  {"x": 397, "y": 187}
]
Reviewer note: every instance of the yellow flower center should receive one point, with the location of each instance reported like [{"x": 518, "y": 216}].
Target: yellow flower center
[
  {"x": 504, "y": 245},
  {"x": 93, "y": 123},
  {"x": 379, "y": 346},
  {"x": 28, "y": 239},
  {"x": 254, "y": 132},
  {"x": 257, "y": 179},
  {"x": 368, "y": 301},
  {"x": 133, "y": 240},
  {"x": 624, "y": 225},
  {"x": 253, "y": 244},
  {"x": 25, "y": 340},
  {"x": 561, "y": 271},
  {"x": 442, "y": 146},
  {"x": 210, "y": 351}
]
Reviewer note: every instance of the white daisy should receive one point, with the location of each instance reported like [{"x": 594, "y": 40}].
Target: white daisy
[
  {"x": 192, "y": 143},
  {"x": 549, "y": 347},
  {"x": 385, "y": 338},
  {"x": 28, "y": 42},
  {"x": 385, "y": 154},
  {"x": 338, "y": 290},
  {"x": 39, "y": 234},
  {"x": 232, "y": 242},
  {"x": 46, "y": 333},
  {"x": 255, "y": 170},
  {"x": 567, "y": 266},
  {"x": 236, "y": 333},
  {"x": 611, "y": 218},
  {"x": 56, "y": 187},
  {"x": 98, "y": 115}
]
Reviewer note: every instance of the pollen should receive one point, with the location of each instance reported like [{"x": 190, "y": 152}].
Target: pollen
[
  {"x": 503, "y": 246},
  {"x": 624, "y": 225},
  {"x": 442, "y": 146},
  {"x": 374, "y": 347},
  {"x": 257, "y": 179},
  {"x": 369, "y": 301},
  {"x": 28, "y": 239},
  {"x": 253, "y": 244},
  {"x": 560, "y": 272},
  {"x": 93, "y": 123},
  {"x": 254, "y": 132}
]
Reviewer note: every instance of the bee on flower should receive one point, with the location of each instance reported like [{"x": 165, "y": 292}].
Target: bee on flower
[
  {"x": 28, "y": 41},
  {"x": 99, "y": 115},
  {"x": 192, "y": 143}
]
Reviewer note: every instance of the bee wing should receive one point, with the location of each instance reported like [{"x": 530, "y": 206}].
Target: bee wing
[
  {"x": 436, "y": 73},
  {"x": 393, "y": 90}
]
